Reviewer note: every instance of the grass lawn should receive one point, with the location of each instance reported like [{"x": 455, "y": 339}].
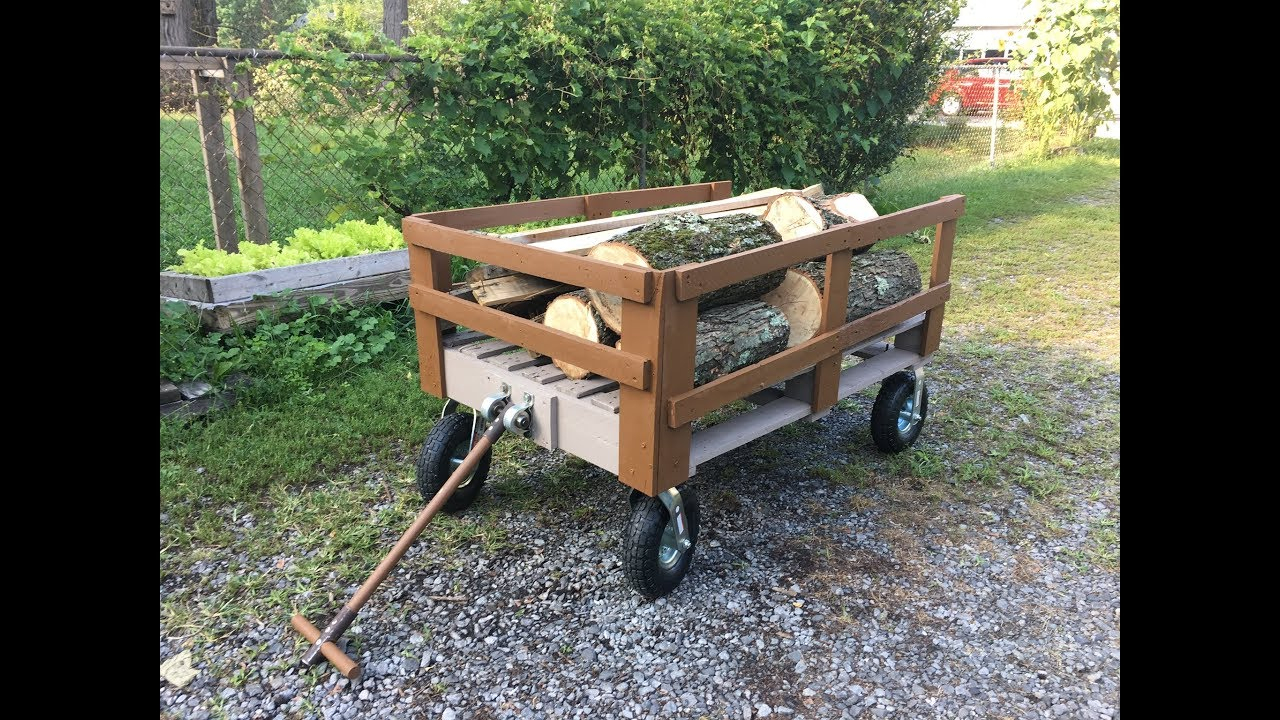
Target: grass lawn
[
  {"x": 1027, "y": 406},
  {"x": 302, "y": 178}
]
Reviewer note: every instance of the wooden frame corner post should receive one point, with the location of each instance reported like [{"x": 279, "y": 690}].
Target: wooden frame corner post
[
  {"x": 925, "y": 339},
  {"x": 652, "y": 456},
  {"x": 835, "y": 304},
  {"x": 432, "y": 269}
]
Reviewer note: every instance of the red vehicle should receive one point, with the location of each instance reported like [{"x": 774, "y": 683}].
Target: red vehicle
[{"x": 971, "y": 86}]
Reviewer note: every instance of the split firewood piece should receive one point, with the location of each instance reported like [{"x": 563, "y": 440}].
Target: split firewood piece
[{"x": 493, "y": 286}]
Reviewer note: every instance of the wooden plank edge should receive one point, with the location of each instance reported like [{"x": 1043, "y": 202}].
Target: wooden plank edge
[{"x": 689, "y": 406}]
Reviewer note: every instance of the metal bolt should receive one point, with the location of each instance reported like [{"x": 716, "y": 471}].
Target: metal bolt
[
  {"x": 528, "y": 399},
  {"x": 685, "y": 544},
  {"x": 505, "y": 388}
]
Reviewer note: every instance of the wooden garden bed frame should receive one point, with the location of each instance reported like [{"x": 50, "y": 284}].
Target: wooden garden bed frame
[{"x": 657, "y": 402}]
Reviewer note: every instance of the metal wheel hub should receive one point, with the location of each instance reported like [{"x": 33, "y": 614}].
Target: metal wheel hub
[
  {"x": 675, "y": 536},
  {"x": 456, "y": 456},
  {"x": 907, "y": 415}
]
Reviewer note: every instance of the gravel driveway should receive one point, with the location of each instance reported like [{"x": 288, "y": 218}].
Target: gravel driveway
[{"x": 884, "y": 596}]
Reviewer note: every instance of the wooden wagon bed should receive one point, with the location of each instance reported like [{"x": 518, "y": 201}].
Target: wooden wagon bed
[{"x": 636, "y": 418}]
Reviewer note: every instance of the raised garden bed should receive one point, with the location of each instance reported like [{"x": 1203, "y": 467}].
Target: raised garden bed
[{"x": 230, "y": 300}]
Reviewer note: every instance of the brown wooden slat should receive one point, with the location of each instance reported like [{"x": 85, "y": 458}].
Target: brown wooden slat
[
  {"x": 653, "y": 457},
  {"x": 835, "y": 302},
  {"x": 627, "y": 281},
  {"x": 693, "y": 404},
  {"x": 700, "y": 278},
  {"x": 605, "y": 204},
  {"x": 625, "y": 367},
  {"x": 431, "y": 271},
  {"x": 760, "y": 197},
  {"x": 508, "y": 214}
]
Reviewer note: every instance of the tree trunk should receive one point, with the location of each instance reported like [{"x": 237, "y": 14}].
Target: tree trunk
[
  {"x": 395, "y": 13},
  {"x": 731, "y": 337},
  {"x": 876, "y": 281},
  {"x": 573, "y": 313},
  {"x": 685, "y": 238}
]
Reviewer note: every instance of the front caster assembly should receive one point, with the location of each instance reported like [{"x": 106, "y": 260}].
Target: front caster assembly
[{"x": 659, "y": 540}]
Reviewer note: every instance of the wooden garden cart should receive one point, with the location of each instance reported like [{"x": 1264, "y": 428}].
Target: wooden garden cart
[{"x": 635, "y": 418}]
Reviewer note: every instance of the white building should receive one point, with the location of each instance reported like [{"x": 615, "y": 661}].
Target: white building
[{"x": 990, "y": 28}]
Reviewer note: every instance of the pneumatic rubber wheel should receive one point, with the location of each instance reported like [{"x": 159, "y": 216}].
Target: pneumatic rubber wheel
[
  {"x": 446, "y": 447},
  {"x": 652, "y": 556},
  {"x": 892, "y": 426}
]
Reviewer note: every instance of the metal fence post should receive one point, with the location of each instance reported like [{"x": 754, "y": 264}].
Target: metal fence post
[{"x": 995, "y": 113}]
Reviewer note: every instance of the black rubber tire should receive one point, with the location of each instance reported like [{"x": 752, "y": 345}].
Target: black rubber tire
[
  {"x": 433, "y": 469},
  {"x": 642, "y": 538},
  {"x": 895, "y": 390}
]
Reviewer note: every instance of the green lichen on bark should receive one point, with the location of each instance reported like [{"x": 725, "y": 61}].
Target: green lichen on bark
[
  {"x": 686, "y": 238},
  {"x": 876, "y": 281},
  {"x": 732, "y": 337}
]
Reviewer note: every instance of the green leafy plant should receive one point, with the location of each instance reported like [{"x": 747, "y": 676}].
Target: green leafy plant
[
  {"x": 288, "y": 352},
  {"x": 520, "y": 99},
  {"x": 1069, "y": 61},
  {"x": 353, "y": 237}
]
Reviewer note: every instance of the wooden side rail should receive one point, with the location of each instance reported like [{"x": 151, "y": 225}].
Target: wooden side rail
[
  {"x": 693, "y": 404},
  {"x": 626, "y": 281},
  {"x": 627, "y": 368},
  {"x": 592, "y": 206},
  {"x": 701, "y": 278}
]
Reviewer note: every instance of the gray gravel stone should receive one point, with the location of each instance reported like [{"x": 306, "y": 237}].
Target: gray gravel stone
[{"x": 961, "y": 611}]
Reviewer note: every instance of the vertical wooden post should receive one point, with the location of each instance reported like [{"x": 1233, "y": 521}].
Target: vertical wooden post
[
  {"x": 213, "y": 145},
  {"x": 924, "y": 340},
  {"x": 430, "y": 268},
  {"x": 244, "y": 138},
  {"x": 835, "y": 305},
  {"x": 653, "y": 456}
]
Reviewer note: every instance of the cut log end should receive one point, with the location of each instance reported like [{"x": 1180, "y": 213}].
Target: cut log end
[
  {"x": 794, "y": 217},
  {"x": 799, "y": 298},
  {"x": 574, "y": 314}
]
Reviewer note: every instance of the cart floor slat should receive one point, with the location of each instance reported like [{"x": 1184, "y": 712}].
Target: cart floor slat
[{"x": 581, "y": 417}]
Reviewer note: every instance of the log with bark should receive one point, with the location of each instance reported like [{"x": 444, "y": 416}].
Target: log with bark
[
  {"x": 795, "y": 217},
  {"x": 876, "y": 281},
  {"x": 729, "y": 337},
  {"x": 685, "y": 238}
]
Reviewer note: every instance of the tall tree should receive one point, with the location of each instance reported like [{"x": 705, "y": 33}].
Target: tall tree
[{"x": 395, "y": 13}]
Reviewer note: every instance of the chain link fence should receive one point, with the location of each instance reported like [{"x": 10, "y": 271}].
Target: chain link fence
[
  {"x": 975, "y": 113},
  {"x": 254, "y": 145},
  {"x": 246, "y": 154}
]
